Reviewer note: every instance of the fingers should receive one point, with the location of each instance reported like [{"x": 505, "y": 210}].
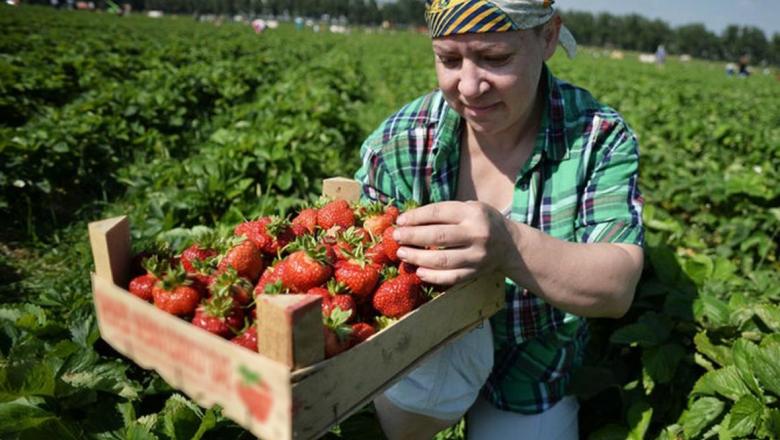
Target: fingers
[
  {"x": 439, "y": 259},
  {"x": 435, "y": 213},
  {"x": 445, "y": 277},
  {"x": 432, "y": 235}
]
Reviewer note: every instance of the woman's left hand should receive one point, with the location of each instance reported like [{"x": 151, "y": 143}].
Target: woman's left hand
[{"x": 451, "y": 242}]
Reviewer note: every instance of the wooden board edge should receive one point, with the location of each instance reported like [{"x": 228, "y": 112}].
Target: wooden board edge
[
  {"x": 110, "y": 243},
  {"x": 323, "y": 397},
  {"x": 253, "y": 391}
]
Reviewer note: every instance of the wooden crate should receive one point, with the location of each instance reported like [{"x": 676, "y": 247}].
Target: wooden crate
[{"x": 287, "y": 391}]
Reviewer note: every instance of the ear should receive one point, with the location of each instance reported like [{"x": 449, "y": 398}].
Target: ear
[{"x": 550, "y": 35}]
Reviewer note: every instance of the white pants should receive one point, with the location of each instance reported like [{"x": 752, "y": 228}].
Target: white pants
[
  {"x": 486, "y": 422},
  {"x": 446, "y": 384}
]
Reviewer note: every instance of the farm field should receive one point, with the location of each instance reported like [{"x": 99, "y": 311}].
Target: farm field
[{"x": 178, "y": 124}]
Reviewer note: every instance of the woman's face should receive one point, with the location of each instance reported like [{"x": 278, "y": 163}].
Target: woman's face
[{"x": 491, "y": 79}]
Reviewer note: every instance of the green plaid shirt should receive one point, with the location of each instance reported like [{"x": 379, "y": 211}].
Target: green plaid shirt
[{"x": 579, "y": 185}]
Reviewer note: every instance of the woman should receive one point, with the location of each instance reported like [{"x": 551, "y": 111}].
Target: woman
[{"x": 519, "y": 173}]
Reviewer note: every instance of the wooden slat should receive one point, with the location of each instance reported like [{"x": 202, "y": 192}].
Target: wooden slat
[
  {"x": 207, "y": 368},
  {"x": 341, "y": 188},
  {"x": 290, "y": 329},
  {"x": 328, "y": 392},
  {"x": 110, "y": 241}
]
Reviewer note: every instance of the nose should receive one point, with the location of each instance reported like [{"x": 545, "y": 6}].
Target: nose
[{"x": 472, "y": 83}]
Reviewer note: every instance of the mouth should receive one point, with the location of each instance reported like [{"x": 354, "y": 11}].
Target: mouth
[{"x": 478, "y": 110}]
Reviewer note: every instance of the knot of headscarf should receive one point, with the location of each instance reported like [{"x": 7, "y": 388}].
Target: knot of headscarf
[{"x": 453, "y": 17}]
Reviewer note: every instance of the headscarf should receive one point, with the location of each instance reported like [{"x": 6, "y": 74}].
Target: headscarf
[{"x": 453, "y": 17}]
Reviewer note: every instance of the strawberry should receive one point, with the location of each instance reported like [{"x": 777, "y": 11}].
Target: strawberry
[
  {"x": 348, "y": 239},
  {"x": 376, "y": 253},
  {"x": 306, "y": 268},
  {"x": 254, "y": 231},
  {"x": 245, "y": 258},
  {"x": 337, "y": 333},
  {"x": 398, "y": 296},
  {"x": 193, "y": 254},
  {"x": 376, "y": 219},
  {"x": 377, "y": 224},
  {"x": 361, "y": 331},
  {"x": 228, "y": 283},
  {"x": 358, "y": 275},
  {"x": 247, "y": 339},
  {"x": 142, "y": 286},
  {"x": 271, "y": 280},
  {"x": 305, "y": 222},
  {"x": 269, "y": 234},
  {"x": 220, "y": 315},
  {"x": 334, "y": 297},
  {"x": 393, "y": 212},
  {"x": 335, "y": 213},
  {"x": 389, "y": 245},
  {"x": 174, "y": 294}
]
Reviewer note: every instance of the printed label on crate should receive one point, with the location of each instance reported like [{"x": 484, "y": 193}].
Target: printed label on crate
[{"x": 252, "y": 390}]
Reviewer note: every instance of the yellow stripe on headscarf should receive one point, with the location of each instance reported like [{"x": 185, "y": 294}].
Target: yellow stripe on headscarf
[
  {"x": 489, "y": 26},
  {"x": 462, "y": 17}
]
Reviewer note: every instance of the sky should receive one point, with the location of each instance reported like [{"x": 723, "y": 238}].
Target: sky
[{"x": 714, "y": 14}]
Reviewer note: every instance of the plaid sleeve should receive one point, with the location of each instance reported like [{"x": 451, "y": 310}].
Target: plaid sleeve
[{"x": 610, "y": 209}]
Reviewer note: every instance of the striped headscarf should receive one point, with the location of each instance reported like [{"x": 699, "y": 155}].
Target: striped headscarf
[{"x": 453, "y": 17}]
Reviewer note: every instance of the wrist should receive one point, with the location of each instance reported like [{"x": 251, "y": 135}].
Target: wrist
[{"x": 513, "y": 248}]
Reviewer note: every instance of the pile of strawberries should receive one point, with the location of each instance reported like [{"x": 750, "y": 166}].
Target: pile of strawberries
[{"x": 344, "y": 253}]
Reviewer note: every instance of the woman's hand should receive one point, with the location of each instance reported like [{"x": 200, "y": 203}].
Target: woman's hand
[{"x": 452, "y": 242}]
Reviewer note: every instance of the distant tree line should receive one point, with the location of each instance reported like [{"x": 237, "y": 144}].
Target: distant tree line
[
  {"x": 629, "y": 32},
  {"x": 634, "y": 32}
]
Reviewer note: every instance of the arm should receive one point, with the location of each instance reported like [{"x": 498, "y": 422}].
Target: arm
[
  {"x": 586, "y": 279},
  {"x": 595, "y": 276}
]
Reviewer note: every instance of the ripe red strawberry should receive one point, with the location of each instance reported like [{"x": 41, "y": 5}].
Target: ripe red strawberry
[
  {"x": 335, "y": 213},
  {"x": 269, "y": 234},
  {"x": 361, "y": 331},
  {"x": 305, "y": 222},
  {"x": 220, "y": 315},
  {"x": 174, "y": 294},
  {"x": 348, "y": 239},
  {"x": 334, "y": 296},
  {"x": 247, "y": 339},
  {"x": 245, "y": 258},
  {"x": 359, "y": 276},
  {"x": 337, "y": 333},
  {"x": 393, "y": 212},
  {"x": 389, "y": 244},
  {"x": 271, "y": 280},
  {"x": 142, "y": 286},
  {"x": 376, "y": 253},
  {"x": 398, "y": 296},
  {"x": 192, "y": 255},
  {"x": 376, "y": 224},
  {"x": 228, "y": 283},
  {"x": 306, "y": 268}
]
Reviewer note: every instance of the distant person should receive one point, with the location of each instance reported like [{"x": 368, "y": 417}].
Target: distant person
[
  {"x": 744, "y": 61},
  {"x": 660, "y": 55},
  {"x": 518, "y": 172}
]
